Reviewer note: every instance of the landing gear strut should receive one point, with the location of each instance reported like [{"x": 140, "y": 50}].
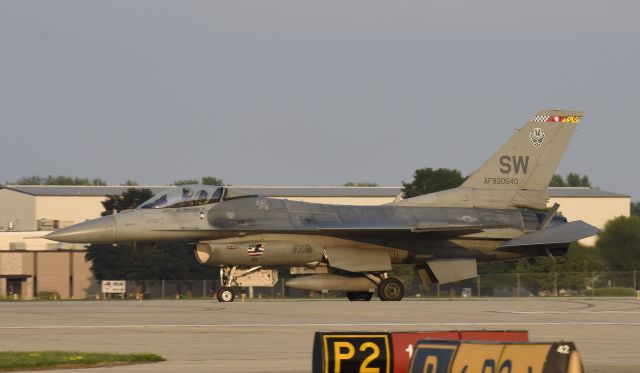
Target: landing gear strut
[
  {"x": 228, "y": 276},
  {"x": 225, "y": 294}
]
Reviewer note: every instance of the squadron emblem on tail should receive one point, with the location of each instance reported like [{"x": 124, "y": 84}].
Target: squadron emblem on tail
[{"x": 537, "y": 137}]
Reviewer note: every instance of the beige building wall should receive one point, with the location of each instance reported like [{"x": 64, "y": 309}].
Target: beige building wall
[
  {"x": 52, "y": 270},
  {"x": 17, "y": 265},
  {"x": 12, "y": 263},
  {"x": 53, "y": 273},
  {"x": 73, "y": 209},
  {"x": 28, "y": 269},
  {"x": 33, "y": 241},
  {"x": 83, "y": 282},
  {"x": 18, "y": 208},
  {"x": 593, "y": 210}
]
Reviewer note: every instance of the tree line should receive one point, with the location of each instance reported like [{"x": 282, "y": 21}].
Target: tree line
[
  {"x": 67, "y": 180},
  {"x": 425, "y": 180}
]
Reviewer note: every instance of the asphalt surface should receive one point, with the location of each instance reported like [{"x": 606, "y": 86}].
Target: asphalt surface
[{"x": 207, "y": 336}]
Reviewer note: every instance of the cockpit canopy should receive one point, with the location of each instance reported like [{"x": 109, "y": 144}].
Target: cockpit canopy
[{"x": 185, "y": 196}]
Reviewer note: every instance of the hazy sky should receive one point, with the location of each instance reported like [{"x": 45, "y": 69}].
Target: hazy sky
[{"x": 310, "y": 93}]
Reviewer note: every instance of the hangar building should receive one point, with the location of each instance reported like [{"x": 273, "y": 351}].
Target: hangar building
[{"x": 31, "y": 265}]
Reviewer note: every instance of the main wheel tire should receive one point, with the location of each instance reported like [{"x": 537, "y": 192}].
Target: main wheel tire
[
  {"x": 225, "y": 295},
  {"x": 390, "y": 289},
  {"x": 359, "y": 296}
]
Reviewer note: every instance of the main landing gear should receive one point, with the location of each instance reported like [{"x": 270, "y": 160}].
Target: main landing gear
[{"x": 388, "y": 289}]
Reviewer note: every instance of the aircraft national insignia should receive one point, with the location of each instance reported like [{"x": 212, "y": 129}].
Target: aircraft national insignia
[
  {"x": 255, "y": 249},
  {"x": 537, "y": 137}
]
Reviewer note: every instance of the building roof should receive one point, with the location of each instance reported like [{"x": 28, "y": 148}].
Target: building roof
[
  {"x": 267, "y": 191},
  {"x": 76, "y": 190},
  {"x": 282, "y": 191},
  {"x": 582, "y": 192},
  {"x": 319, "y": 191}
]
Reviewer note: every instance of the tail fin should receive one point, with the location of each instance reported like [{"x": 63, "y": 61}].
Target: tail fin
[{"x": 518, "y": 174}]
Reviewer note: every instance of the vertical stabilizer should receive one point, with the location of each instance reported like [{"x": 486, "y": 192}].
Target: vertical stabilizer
[{"x": 518, "y": 174}]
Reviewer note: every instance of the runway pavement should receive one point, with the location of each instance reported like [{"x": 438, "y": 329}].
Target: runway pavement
[{"x": 207, "y": 336}]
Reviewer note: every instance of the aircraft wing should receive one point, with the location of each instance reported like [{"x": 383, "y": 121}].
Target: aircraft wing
[
  {"x": 417, "y": 228},
  {"x": 443, "y": 228},
  {"x": 564, "y": 233}
]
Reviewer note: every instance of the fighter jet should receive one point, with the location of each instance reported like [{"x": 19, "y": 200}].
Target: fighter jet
[{"x": 498, "y": 213}]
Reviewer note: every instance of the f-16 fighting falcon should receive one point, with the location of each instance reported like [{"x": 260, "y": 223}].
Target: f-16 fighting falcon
[{"x": 498, "y": 213}]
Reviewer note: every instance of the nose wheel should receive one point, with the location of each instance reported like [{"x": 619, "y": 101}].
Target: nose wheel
[{"x": 225, "y": 294}]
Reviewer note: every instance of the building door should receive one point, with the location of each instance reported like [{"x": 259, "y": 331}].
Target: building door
[{"x": 14, "y": 288}]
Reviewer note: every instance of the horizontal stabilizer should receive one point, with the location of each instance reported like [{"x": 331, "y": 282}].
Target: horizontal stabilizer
[{"x": 564, "y": 233}]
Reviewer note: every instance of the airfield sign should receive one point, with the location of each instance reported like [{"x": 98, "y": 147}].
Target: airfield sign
[{"x": 114, "y": 287}]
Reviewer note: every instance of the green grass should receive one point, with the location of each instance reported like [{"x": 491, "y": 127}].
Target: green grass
[{"x": 37, "y": 360}]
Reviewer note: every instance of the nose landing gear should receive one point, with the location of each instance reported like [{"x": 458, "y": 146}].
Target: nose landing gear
[
  {"x": 228, "y": 278},
  {"x": 225, "y": 294}
]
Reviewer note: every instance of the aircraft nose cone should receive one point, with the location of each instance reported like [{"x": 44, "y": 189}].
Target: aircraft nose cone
[{"x": 101, "y": 230}]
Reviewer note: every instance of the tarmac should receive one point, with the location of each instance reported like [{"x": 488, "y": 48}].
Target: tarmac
[{"x": 277, "y": 336}]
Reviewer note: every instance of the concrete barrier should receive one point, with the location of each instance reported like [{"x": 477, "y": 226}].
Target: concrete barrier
[
  {"x": 386, "y": 352},
  {"x": 492, "y": 357}
]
